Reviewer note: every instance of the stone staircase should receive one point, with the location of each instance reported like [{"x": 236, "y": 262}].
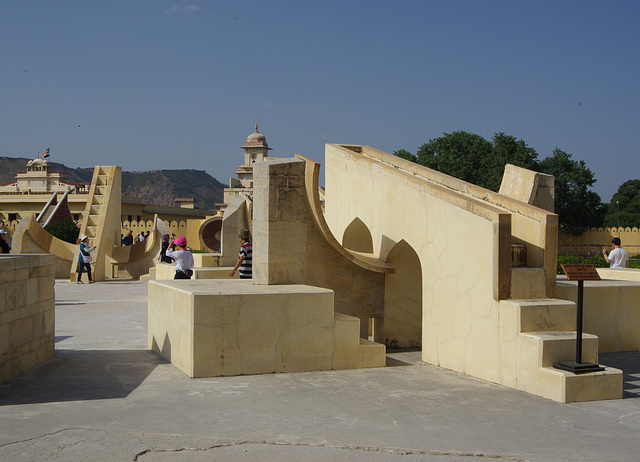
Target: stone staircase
[
  {"x": 101, "y": 218},
  {"x": 536, "y": 334}
]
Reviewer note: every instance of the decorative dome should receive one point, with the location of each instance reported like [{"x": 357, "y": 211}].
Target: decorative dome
[
  {"x": 256, "y": 140},
  {"x": 37, "y": 162}
]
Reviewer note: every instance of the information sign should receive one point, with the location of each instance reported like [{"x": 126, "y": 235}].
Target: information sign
[{"x": 581, "y": 272}]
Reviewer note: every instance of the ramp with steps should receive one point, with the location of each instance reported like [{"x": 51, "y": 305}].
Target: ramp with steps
[{"x": 101, "y": 219}]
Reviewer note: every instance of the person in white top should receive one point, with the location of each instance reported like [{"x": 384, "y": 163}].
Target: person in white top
[
  {"x": 618, "y": 257},
  {"x": 183, "y": 258}
]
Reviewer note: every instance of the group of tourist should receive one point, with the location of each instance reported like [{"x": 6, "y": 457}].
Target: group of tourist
[
  {"x": 129, "y": 239},
  {"x": 177, "y": 250}
]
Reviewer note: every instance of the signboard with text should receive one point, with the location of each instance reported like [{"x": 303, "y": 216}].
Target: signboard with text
[{"x": 581, "y": 272}]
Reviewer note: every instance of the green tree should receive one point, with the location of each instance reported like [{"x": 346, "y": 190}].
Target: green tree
[
  {"x": 624, "y": 207},
  {"x": 472, "y": 158},
  {"x": 578, "y": 208},
  {"x": 508, "y": 150},
  {"x": 405, "y": 155},
  {"x": 460, "y": 154},
  {"x": 66, "y": 230}
]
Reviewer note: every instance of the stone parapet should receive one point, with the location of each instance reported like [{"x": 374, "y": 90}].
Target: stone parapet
[{"x": 27, "y": 312}]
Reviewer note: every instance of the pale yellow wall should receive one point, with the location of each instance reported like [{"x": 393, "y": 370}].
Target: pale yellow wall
[
  {"x": 27, "y": 312},
  {"x": 457, "y": 249},
  {"x": 598, "y": 237},
  {"x": 611, "y": 309},
  {"x": 290, "y": 246},
  {"x": 25, "y": 205}
]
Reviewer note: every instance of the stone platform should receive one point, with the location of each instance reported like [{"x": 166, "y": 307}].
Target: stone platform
[
  {"x": 611, "y": 308},
  {"x": 232, "y": 327}
]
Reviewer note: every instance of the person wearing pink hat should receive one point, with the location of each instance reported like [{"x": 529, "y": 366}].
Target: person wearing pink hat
[{"x": 182, "y": 256}]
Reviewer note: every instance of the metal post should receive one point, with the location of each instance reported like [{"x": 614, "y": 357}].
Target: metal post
[{"x": 579, "y": 323}]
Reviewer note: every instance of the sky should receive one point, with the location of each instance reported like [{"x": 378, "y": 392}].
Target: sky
[{"x": 160, "y": 84}]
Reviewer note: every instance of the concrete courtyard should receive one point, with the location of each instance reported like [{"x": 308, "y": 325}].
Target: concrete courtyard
[{"x": 105, "y": 397}]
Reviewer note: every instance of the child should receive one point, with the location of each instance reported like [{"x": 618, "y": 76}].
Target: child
[{"x": 246, "y": 251}]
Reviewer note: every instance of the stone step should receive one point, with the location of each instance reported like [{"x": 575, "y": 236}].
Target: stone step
[
  {"x": 567, "y": 387},
  {"x": 93, "y": 220},
  {"x": 372, "y": 354},
  {"x": 527, "y": 282},
  {"x": 550, "y": 348},
  {"x": 536, "y": 315},
  {"x": 102, "y": 179}
]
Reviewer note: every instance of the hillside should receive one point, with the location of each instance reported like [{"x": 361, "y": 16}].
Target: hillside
[{"x": 158, "y": 187}]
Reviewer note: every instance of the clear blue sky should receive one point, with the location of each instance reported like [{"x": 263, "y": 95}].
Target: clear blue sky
[{"x": 162, "y": 84}]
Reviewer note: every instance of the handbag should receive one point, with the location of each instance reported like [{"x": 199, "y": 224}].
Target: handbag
[{"x": 87, "y": 258}]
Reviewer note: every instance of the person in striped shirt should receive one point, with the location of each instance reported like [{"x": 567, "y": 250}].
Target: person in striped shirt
[{"x": 246, "y": 251}]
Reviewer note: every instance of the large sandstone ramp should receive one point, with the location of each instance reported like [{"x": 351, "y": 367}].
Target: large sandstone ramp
[{"x": 463, "y": 236}]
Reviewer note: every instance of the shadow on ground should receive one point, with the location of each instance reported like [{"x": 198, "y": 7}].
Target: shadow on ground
[
  {"x": 76, "y": 375},
  {"x": 629, "y": 363}
]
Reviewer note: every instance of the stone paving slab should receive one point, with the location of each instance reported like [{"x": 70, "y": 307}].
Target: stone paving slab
[{"x": 104, "y": 397}]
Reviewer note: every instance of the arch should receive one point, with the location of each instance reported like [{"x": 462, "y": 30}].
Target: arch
[
  {"x": 357, "y": 237},
  {"x": 401, "y": 326}
]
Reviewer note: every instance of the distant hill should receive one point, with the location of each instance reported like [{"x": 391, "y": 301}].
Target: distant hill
[{"x": 158, "y": 187}]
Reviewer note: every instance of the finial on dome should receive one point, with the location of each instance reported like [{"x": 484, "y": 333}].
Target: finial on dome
[{"x": 256, "y": 126}]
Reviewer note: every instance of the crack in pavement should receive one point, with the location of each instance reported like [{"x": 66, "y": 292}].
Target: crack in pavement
[{"x": 396, "y": 452}]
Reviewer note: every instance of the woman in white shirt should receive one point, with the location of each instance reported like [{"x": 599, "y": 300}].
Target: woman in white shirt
[{"x": 182, "y": 256}]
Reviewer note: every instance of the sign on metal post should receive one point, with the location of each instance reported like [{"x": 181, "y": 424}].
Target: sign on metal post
[{"x": 580, "y": 273}]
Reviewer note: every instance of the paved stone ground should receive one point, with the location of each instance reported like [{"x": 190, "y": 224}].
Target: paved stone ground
[{"x": 104, "y": 397}]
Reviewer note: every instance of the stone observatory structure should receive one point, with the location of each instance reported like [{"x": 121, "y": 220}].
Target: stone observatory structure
[{"x": 401, "y": 254}]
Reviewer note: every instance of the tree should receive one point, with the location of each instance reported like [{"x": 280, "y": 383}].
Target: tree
[
  {"x": 460, "y": 154},
  {"x": 624, "y": 208},
  {"x": 472, "y": 158},
  {"x": 405, "y": 155},
  {"x": 578, "y": 208},
  {"x": 66, "y": 230},
  {"x": 508, "y": 150}
]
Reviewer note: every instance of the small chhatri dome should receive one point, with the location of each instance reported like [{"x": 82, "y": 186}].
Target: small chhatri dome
[
  {"x": 256, "y": 140},
  {"x": 37, "y": 162}
]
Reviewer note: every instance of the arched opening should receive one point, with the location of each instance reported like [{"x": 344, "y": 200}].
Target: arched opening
[
  {"x": 401, "y": 326},
  {"x": 357, "y": 237}
]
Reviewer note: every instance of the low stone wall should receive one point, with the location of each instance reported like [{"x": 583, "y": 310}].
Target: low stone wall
[
  {"x": 165, "y": 271},
  {"x": 611, "y": 310},
  {"x": 593, "y": 239},
  {"x": 27, "y": 312}
]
